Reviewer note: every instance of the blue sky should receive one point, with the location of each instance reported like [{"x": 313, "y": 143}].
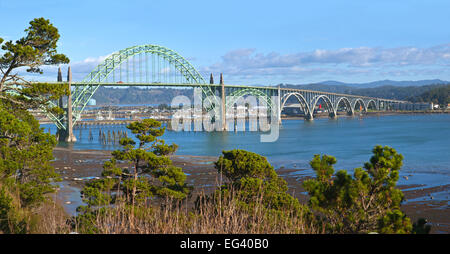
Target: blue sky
[{"x": 255, "y": 42}]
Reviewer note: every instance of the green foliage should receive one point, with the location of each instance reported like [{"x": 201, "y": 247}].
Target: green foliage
[
  {"x": 10, "y": 219},
  {"x": 237, "y": 164},
  {"x": 253, "y": 181},
  {"x": 25, "y": 150},
  {"x": 366, "y": 202},
  {"x": 37, "y": 48},
  {"x": 25, "y": 155},
  {"x": 85, "y": 221},
  {"x": 149, "y": 174},
  {"x": 394, "y": 222}
]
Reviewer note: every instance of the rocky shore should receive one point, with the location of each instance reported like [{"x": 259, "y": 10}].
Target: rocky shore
[{"x": 78, "y": 166}]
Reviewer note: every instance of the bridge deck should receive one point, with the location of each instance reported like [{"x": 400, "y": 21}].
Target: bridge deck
[{"x": 228, "y": 86}]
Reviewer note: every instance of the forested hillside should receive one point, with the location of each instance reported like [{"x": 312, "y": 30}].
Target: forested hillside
[
  {"x": 438, "y": 95},
  {"x": 134, "y": 95},
  {"x": 388, "y": 92}
]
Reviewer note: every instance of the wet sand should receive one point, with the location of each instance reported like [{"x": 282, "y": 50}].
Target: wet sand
[{"x": 78, "y": 166}]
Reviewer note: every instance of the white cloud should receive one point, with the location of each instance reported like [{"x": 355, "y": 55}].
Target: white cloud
[
  {"x": 79, "y": 70},
  {"x": 344, "y": 61},
  {"x": 247, "y": 64}
]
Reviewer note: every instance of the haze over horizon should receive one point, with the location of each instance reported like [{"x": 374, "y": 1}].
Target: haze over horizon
[{"x": 254, "y": 42}]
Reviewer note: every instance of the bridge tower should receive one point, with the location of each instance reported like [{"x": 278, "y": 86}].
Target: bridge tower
[
  {"x": 67, "y": 134},
  {"x": 211, "y": 79},
  {"x": 60, "y": 134},
  {"x": 223, "y": 106},
  {"x": 70, "y": 136}
]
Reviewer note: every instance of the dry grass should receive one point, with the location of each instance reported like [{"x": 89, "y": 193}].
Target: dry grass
[
  {"x": 225, "y": 218},
  {"x": 46, "y": 218},
  {"x": 51, "y": 219}
]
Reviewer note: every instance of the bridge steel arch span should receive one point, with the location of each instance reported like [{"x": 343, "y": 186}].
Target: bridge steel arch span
[
  {"x": 316, "y": 99},
  {"x": 350, "y": 109},
  {"x": 362, "y": 103},
  {"x": 301, "y": 99},
  {"x": 236, "y": 94},
  {"x": 374, "y": 103},
  {"x": 82, "y": 94}
]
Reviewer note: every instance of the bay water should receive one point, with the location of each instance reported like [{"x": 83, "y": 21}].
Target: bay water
[{"x": 423, "y": 140}]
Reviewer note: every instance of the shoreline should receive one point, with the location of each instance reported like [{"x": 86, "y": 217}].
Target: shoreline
[
  {"x": 373, "y": 113},
  {"x": 78, "y": 166},
  {"x": 325, "y": 115}
]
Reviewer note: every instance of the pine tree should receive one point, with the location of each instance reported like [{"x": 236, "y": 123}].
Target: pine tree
[
  {"x": 252, "y": 179},
  {"x": 36, "y": 49},
  {"x": 149, "y": 177},
  {"x": 26, "y": 175},
  {"x": 366, "y": 202}
]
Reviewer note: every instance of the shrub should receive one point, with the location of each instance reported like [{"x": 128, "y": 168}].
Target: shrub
[{"x": 364, "y": 203}]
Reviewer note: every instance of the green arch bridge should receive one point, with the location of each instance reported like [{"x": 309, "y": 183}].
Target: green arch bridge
[{"x": 158, "y": 66}]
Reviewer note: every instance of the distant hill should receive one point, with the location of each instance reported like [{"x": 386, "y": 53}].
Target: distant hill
[
  {"x": 322, "y": 87},
  {"x": 401, "y": 91},
  {"x": 386, "y": 91},
  {"x": 438, "y": 95},
  {"x": 135, "y": 95},
  {"x": 395, "y": 92}
]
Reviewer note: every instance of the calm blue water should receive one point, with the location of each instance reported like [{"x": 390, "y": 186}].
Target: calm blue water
[{"x": 424, "y": 141}]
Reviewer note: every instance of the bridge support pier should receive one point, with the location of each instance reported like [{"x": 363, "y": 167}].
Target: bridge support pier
[
  {"x": 333, "y": 115},
  {"x": 279, "y": 105},
  {"x": 67, "y": 134},
  {"x": 223, "y": 113},
  {"x": 70, "y": 136},
  {"x": 309, "y": 116},
  {"x": 60, "y": 133}
]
